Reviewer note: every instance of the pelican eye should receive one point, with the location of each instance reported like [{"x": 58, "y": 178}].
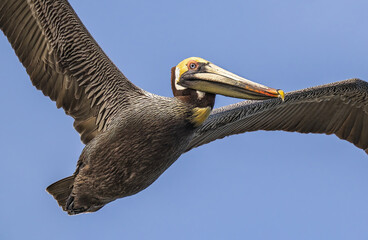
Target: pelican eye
[{"x": 192, "y": 65}]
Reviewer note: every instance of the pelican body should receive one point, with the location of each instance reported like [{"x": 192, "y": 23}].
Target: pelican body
[
  {"x": 130, "y": 155},
  {"x": 133, "y": 136}
]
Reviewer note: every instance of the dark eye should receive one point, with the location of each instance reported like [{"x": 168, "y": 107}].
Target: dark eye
[{"x": 192, "y": 65}]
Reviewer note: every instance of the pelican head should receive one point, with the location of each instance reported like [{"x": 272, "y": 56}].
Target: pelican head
[{"x": 196, "y": 81}]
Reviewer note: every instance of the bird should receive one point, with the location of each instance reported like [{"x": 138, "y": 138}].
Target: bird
[{"x": 133, "y": 136}]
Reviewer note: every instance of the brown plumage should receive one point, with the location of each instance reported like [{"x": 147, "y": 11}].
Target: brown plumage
[
  {"x": 339, "y": 108},
  {"x": 133, "y": 136}
]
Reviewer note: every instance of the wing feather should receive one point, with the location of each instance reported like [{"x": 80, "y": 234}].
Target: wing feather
[
  {"x": 65, "y": 63},
  {"x": 339, "y": 108}
]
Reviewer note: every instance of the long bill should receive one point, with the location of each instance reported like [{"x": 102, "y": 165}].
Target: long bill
[{"x": 213, "y": 79}]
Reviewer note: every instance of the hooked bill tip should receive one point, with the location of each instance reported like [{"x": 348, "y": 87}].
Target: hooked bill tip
[{"x": 281, "y": 94}]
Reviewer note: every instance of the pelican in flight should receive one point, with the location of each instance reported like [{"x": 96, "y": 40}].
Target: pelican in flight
[{"x": 133, "y": 136}]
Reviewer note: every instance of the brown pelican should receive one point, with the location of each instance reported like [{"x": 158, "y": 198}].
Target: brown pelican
[{"x": 114, "y": 119}]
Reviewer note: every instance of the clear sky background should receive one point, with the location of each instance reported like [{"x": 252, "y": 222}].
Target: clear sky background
[{"x": 260, "y": 185}]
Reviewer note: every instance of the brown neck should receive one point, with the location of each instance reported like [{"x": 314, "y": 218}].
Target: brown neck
[{"x": 191, "y": 96}]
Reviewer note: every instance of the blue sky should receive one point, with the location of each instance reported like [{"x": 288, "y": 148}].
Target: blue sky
[{"x": 260, "y": 185}]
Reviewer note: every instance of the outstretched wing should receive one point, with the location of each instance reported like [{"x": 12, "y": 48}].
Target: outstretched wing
[
  {"x": 65, "y": 63},
  {"x": 339, "y": 108}
]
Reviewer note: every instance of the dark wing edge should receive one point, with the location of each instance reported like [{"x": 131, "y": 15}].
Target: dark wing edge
[
  {"x": 339, "y": 108},
  {"x": 65, "y": 63}
]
